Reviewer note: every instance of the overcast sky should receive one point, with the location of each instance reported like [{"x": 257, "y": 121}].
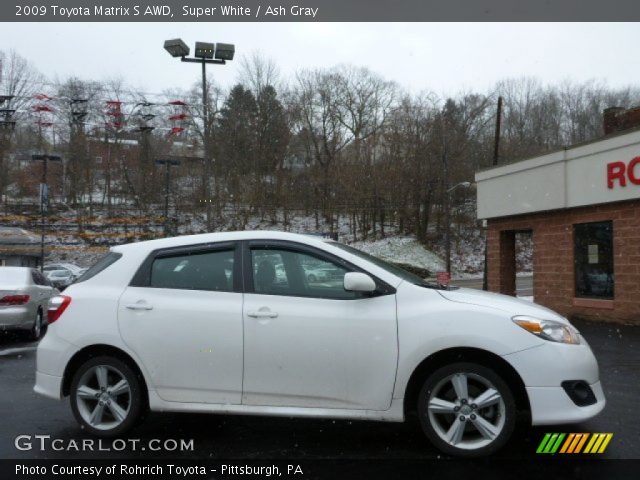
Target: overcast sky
[{"x": 442, "y": 57}]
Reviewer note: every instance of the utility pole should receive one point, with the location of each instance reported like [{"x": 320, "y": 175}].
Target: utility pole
[
  {"x": 205, "y": 53},
  {"x": 206, "y": 133},
  {"x": 496, "y": 158},
  {"x": 496, "y": 141},
  {"x": 447, "y": 208},
  {"x": 7, "y": 125},
  {"x": 44, "y": 198},
  {"x": 77, "y": 114},
  {"x": 167, "y": 183}
]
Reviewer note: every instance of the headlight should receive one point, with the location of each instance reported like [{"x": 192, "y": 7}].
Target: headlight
[{"x": 548, "y": 329}]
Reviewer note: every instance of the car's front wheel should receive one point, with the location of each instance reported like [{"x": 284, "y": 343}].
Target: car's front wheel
[
  {"x": 467, "y": 410},
  {"x": 106, "y": 396}
]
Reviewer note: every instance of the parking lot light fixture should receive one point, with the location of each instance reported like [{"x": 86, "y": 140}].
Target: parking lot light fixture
[
  {"x": 225, "y": 51},
  {"x": 176, "y": 47},
  {"x": 204, "y": 50}
]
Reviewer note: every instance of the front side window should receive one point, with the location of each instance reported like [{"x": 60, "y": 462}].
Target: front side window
[
  {"x": 594, "y": 260},
  {"x": 292, "y": 273},
  {"x": 209, "y": 270}
]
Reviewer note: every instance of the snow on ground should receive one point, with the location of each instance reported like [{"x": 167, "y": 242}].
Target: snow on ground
[{"x": 402, "y": 250}]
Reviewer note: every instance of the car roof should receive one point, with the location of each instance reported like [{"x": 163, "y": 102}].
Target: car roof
[
  {"x": 13, "y": 272},
  {"x": 149, "y": 245}
]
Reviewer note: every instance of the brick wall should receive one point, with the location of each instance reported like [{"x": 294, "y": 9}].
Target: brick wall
[{"x": 553, "y": 257}]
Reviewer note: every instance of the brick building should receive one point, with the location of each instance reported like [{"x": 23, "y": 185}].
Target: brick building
[{"x": 581, "y": 206}]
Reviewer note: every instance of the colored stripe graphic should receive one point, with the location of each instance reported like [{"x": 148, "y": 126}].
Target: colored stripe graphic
[
  {"x": 605, "y": 442},
  {"x": 550, "y": 443},
  {"x": 574, "y": 443},
  {"x": 567, "y": 442},
  {"x": 543, "y": 443}
]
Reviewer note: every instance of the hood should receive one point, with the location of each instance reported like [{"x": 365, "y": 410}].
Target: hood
[{"x": 511, "y": 305}]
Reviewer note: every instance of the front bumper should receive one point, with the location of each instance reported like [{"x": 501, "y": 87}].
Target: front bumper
[
  {"x": 552, "y": 405},
  {"x": 543, "y": 369}
]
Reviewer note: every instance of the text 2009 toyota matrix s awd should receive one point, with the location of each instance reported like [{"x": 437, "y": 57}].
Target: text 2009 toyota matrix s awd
[{"x": 232, "y": 323}]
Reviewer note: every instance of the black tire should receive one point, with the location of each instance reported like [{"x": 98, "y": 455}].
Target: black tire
[
  {"x": 38, "y": 326},
  {"x": 136, "y": 403},
  {"x": 510, "y": 410}
]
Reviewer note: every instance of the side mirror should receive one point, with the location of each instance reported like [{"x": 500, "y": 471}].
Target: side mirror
[{"x": 358, "y": 282}]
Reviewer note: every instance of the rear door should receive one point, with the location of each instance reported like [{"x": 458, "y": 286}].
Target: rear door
[{"x": 182, "y": 315}]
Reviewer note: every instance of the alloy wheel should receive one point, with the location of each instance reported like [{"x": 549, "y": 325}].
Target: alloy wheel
[
  {"x": 103, "y": 397},
  {"x": 466, "y": 410}
]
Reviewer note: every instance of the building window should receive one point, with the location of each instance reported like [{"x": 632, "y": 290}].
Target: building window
[{"x": 594, "y": 260}]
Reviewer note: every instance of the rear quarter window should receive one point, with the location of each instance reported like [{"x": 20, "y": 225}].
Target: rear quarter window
[{"x": 102, "y": 264}]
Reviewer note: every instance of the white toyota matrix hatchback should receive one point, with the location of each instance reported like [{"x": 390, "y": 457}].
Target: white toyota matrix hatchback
[{"x": 242, "y": 323}]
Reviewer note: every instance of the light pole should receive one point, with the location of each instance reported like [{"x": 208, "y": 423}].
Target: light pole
[
  {"x": 205, "y": 53},
  {"x": 448, "y": 222},
  {"x": 167, "y": 183},
  {"x": 44, "y": 198},
  {"x": 7, "y": 125}
]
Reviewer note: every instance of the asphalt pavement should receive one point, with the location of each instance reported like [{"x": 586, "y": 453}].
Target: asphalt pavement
[
  {"x": 524, "y": 284},
  {"x": 617, "y": 348}
]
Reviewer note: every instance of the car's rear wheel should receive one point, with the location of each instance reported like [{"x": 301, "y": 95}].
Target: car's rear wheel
[
  {"x": 467, "y": 410},
  {"x": 106, "y": 396},
  {"x": 36, "y": 330}
]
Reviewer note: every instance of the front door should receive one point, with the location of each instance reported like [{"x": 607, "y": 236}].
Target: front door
[
  {"x": 183, "y": 318},
  {"x": 308, "y": 342}
]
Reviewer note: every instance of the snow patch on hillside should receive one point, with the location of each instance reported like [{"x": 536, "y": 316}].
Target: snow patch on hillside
[{"x": 402, "y": 250}]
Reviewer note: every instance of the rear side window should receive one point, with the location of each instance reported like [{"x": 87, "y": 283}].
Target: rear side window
[
  {"x": 208, "y": 270},
  {"x": 105, "y": 262}
]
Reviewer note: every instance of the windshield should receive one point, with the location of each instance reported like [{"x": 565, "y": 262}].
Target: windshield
[{"x": 388, "y": 266}]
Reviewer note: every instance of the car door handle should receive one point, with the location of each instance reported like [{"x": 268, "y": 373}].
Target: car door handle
[
  {"x": 139, "y": 306},
  {"x": 262, "y": 314}
]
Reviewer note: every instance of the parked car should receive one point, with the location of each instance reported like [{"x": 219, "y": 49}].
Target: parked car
[
  {"x": 321, "y": 273},
  {"x": 75, "y": 270},
  {"x": 24, "y": 299},
  {"x": 60, "y": 279},
  {"x": 203, "y": 324}
]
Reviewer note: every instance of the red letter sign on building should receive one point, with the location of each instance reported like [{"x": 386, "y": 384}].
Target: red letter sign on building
[{"x": 619, "y": 171}]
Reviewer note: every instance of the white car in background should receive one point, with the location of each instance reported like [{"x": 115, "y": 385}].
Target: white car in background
[
  {"x": 61, "y": 278},
  {"x": 205, "y": 323},
  {"x": 75, "y": 270}
]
